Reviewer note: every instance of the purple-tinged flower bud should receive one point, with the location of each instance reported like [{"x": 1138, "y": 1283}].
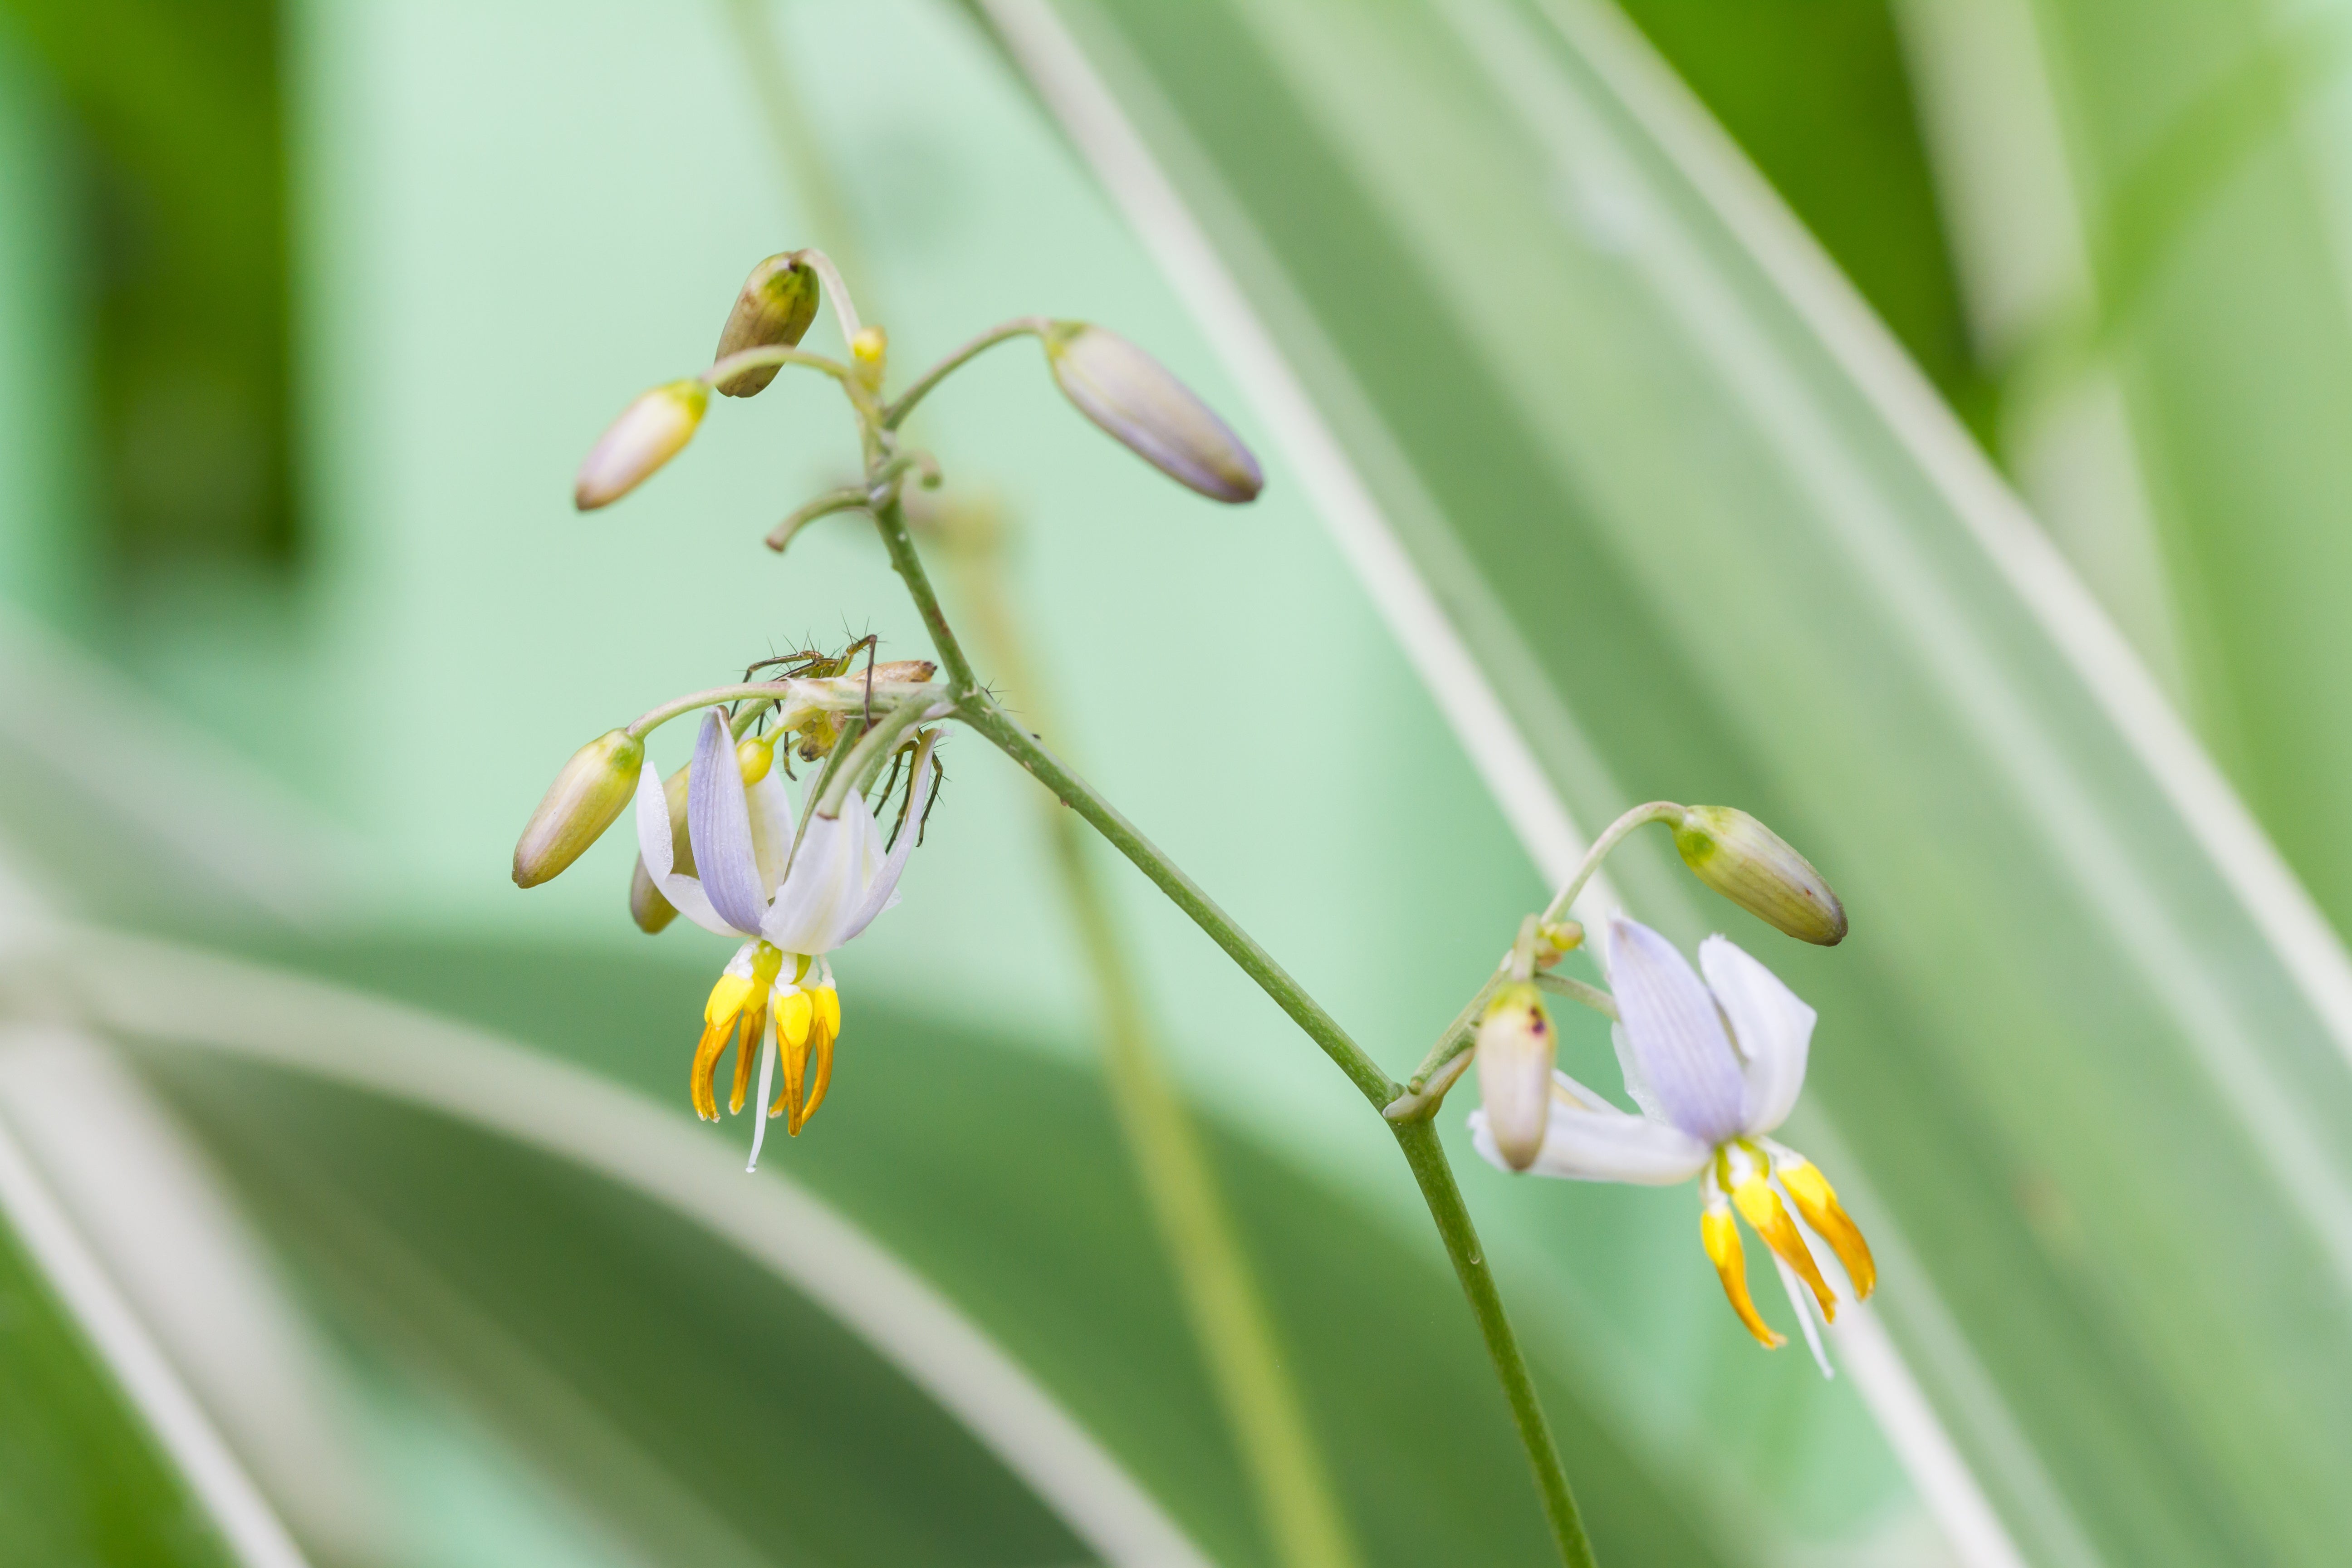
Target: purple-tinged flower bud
[
  {"x": 649, "y": 433},
  {"x": 583, "y": 802},
  {"x": 1153, "y": 414},
  {"x": 1517, "y": 1046},
  {"x": 775, "y": 309},
  {"x": 1755, "y": 867}
]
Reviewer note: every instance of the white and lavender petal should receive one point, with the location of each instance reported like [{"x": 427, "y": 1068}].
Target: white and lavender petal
[
  {"x": 1604, "y": 1145},
  {"x": 822, "y": 889},
  {"x": 883, "y": 893},
  {"x": 1629, "y": 1067},
  {"x": 654, "y": 846},
  {"x": 719, "y": 821},
  {"x": 773, "y": 825},
  {"x": 1673, "y": 1031},
  {"x": 1770, "y": 1026}
]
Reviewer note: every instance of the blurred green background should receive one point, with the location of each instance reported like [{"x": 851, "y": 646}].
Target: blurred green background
[{"x": 1666, "y": 369}]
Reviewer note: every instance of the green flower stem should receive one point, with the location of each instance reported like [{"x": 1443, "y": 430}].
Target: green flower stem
[
  {"x": 1303, "y": 1520},
  {"x": 836, "y": 294},
  {"x": 871, "y": 750},
  {"x": 1262, "y": 1405},
  {"x": 1576, "y": 990},
  {"x": 1655, "y": 811},
  {"x": 1019, "y": 327},
  {"x": 761, "y": 358},
  {"x": 773, "y": 692},
  {"x": 891, "y": 522},
  {"x": 849, "y": 497},
  {"x": 1415, "y": 1136},
  {"x": 982, "y": 714},
  {"x": 1457, "y": 1039},
  {"x": 654, "y": 719},
  {"x": 1426, "y": 1155}
]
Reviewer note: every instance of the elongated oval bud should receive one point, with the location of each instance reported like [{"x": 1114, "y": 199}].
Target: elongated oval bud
[
  {"x": 647, "y": 907},
  {"x": 583, "y": 802},
  {"x": 773, "y": 310},
  {"x": 649, "y": 433},
  {"x": 1132, "y": 395},
  {"x": 1755, "y": 867},
  {"x": 1517, "y": 1046}
]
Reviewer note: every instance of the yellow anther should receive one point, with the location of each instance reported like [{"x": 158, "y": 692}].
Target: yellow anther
[
  {"x": 706, "y": 1062},
  {"x": 824, "y": 1029},
  {"x": 806, "y": 1026},
  {"x": 1817, "y": 1201},
  {"x": 754, "y": 754},
  {"x": 727, "y": 998},
  {"x": 1719, "y": 1233},
  {"x": 737, "y": 1010},
  {"x": 793, "y": 1020},
  {"x": 1760, "y": 1206}
]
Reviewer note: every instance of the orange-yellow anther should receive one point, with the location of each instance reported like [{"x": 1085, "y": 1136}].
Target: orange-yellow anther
[
  {"x": 824, "y": 1029},
  {"x": 1760, "y": 1206},
  {"x": 719, "y": 1017},
  {"x": 748, "y": 1037},
  {"x": 736, "y": 1011},
  {"x": 754, "y": 754},
  {"x": 1720, "y": 1234},
  {"x": 1817, "y": 1201},
  {"x": 807, "y": 1024}
]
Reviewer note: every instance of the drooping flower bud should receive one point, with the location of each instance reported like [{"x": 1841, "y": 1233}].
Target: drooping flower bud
[
  {"x": 1755, "y": 867},
  {"x": 775, "y": 309},
  {"x": 583, "y": 802},
  {"x": 649, "y": 433},
  {"x": 647, "y": 907},
  {"x": 1132, "y": 395},
  {"x": 1517, "y": 1046}
]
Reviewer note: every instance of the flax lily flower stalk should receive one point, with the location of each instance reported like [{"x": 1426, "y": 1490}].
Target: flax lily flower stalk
[
  {"x": 795, "y": 889},
  {"x": 1715, "y": 1064}
]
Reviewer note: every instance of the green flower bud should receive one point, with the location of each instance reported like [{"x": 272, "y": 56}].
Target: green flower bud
[
  {"x": 1517, "y": 1046},
  {"x": 775, "y": 309},
  {"x": 1131, "y": 395},
  {"x": 646, "y": 906},
  {"x": 585, "y": 797},
  {"x": 1754, "y": 867},
  {"x": 649, "y": 433}
]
